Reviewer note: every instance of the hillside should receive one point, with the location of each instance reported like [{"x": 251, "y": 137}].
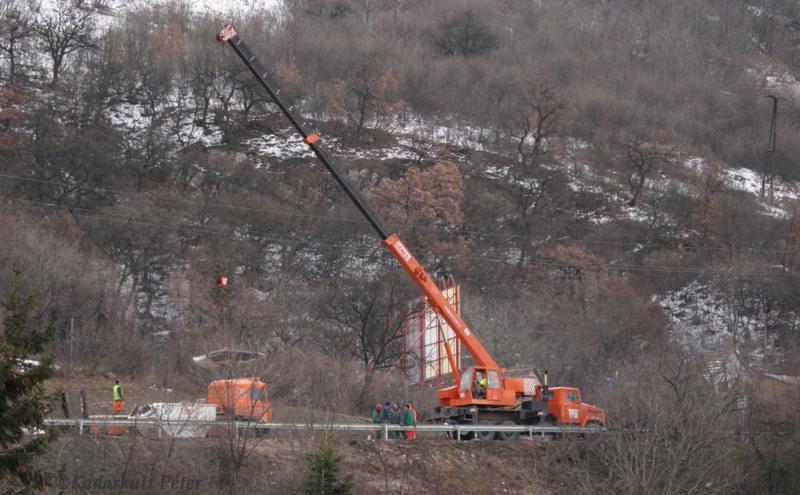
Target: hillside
[{"x": 603, "y": 179}]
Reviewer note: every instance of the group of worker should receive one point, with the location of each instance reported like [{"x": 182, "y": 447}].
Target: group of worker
[{"x": 392, "y": 414}]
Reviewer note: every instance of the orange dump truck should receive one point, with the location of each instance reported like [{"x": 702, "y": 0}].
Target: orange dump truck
[{"x": 241, "y": 399}]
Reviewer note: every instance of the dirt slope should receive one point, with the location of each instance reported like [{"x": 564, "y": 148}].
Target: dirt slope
[{"x": 277, "y": 464}]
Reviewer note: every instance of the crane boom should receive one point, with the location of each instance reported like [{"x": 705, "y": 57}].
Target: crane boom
[{"x": 392, "y": 241}]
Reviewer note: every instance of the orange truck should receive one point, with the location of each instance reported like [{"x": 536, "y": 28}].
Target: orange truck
[
  {"x": 241, "y": 399},
  {"x": 237, "y": 399},
  {"x": 484, "y": 393}
]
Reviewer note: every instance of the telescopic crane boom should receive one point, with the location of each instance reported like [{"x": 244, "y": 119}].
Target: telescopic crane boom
[
  {"x": 497, "y": 391},
  {"x": 392, "y": 241}
]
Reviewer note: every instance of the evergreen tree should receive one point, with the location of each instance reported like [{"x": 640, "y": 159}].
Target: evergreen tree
[
  {"x": 324, "y": 472},
  {"x": 22, "y": 397}
]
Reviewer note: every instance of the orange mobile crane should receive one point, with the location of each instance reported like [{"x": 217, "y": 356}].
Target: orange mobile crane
[{"x": 498, "y": 398}]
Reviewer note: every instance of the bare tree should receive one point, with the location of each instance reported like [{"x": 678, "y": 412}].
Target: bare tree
[
  {"x": 146, "y": 152},
  {"x": 644, "y": 158},
  {"x": 16, "y": 25},
  {"x": 368, "y": 94},
  {"x": 368, "y": 318},
  {"x": 532, "y": 114},
  {"x": 64, "y": 30},
  {"x": 464, "y": 33}
]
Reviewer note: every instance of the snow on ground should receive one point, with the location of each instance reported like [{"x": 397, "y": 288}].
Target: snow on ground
[
  {"x": 776, "y": 212},
  {"x": 700, "y": 316},
  {"x": 463, "y": 136},
  {"x": 233, "y": 6},
  {"x": 504, "y": 174},
  {"x": 224, "y": 9},
  {"x": 280, "y": 146},
  {"x": 747, "y": 180},
  {"x": 202, "y": 6},
  {"x": 600, "y": 219},
  {"x": 129, "y": 116},
  {"x": 134, "y": 118},
  {"x": 286, "y": 144},
  {"x": 778, "y": 80},
  {"x": 637, "y": 214},
  {"x": 394, "y": 153}
]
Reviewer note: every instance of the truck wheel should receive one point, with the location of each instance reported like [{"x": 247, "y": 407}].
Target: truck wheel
[
  {"x": 485, "y": 435},
  {"x": 465, "y": 436},
  {"x": 510, "y": 436}
]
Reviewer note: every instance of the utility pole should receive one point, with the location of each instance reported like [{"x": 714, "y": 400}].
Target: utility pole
[{"x": 770, "y": 165}]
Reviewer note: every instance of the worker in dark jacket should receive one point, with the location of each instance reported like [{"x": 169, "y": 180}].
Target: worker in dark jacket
[
  {"x": 407, "y": 419},
  {"x": 395, "y": 419},
  {"x": 386, "y": 413}
]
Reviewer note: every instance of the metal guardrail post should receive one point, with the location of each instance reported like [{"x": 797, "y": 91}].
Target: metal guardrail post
[
  {"x": 80, "y": 427},
  {"x": 236, "y": 429},
  {"x": 385, "y": 428},
  {"x": 530, "y": 432},
  {"x": 458, "y": 432}
]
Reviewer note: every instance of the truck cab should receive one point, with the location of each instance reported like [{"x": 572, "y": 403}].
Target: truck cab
[
  {"x": 241, "y": 398},
  {"x": 564, "y": 406}
]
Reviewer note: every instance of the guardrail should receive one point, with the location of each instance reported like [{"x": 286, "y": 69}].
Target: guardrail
[{"x": 455, "y": 431}]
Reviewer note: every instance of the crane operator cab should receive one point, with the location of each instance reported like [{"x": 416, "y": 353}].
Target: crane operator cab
[{"x": 482, "y": 384}]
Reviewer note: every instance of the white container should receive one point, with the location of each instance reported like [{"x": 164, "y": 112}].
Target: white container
[{"x": 183, "y": 417}]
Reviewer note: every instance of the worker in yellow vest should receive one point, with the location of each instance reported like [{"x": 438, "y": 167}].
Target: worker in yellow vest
[{"x": 118, "y": 397}]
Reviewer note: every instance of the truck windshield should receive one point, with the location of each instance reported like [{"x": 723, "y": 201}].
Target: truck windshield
[
  {"x": 256, "y": 394},
  {"x": 466, "y": 379}
]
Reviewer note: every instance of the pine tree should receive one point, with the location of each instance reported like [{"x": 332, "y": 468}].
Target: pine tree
[
  {"x": 324, "y": 472},
  {"x": 22, "y": 397}
]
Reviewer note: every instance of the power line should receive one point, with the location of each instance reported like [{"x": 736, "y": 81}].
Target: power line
[
  {"x": 278, "y": 237},
  {"x": 359, "y": 221}
]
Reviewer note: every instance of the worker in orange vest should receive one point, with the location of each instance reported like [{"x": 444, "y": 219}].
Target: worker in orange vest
[
  {"x": 412, "y": 434},
  {"x": 118, "y": 397}
]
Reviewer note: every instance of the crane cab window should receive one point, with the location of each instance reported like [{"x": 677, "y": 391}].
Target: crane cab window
[
  {"x": 493, "y": 379},
  {"x": 466, "y": 379},
  {"x": 573, "y": 396}
]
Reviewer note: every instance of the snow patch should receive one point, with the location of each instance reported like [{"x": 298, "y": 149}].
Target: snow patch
[
  {"x": 279, "y": 146},
  {"x": 702, "y": 316},
  {"x": 637, "y": 214}
]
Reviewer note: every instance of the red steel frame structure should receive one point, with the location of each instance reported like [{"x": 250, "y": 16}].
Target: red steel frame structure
[{"x": 424, "y": 357}]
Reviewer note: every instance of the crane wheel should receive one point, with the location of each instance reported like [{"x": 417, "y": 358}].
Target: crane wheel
[
  {"x": 467, "y": 436},
  {"x": 485, "y": 435},
  {"x": 510, "y": 436}
]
